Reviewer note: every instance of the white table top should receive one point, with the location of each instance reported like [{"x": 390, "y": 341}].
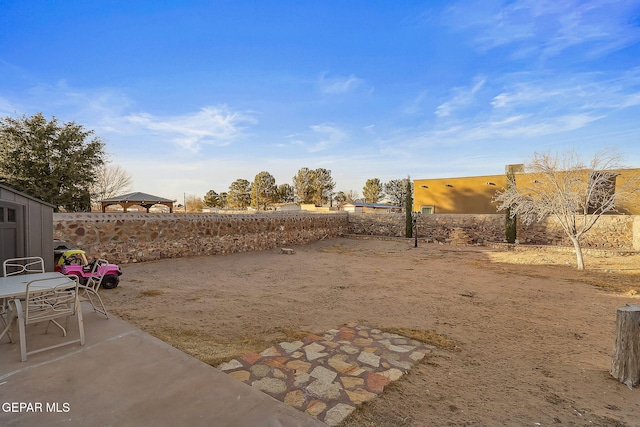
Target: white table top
[{"x": 16, "y": 286}]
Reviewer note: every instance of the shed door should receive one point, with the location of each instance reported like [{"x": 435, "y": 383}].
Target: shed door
[{"x": 11, "y": 232}]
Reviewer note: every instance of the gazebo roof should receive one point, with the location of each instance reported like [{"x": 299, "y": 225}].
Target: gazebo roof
[
  {"x": 132, "y": 199},
  {"x": 137, "y": 197}
]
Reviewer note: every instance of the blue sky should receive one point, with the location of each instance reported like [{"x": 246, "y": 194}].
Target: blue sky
[{"x": 191, "y": 95}]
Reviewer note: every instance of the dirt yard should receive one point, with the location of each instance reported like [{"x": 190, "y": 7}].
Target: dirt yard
[{"x": 523, "y": 338}]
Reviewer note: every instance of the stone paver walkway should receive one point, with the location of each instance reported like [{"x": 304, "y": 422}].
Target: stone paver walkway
[{"x": 328, "y": 376}]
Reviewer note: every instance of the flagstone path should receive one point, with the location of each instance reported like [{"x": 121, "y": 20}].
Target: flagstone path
[{"x": 328, "y": 376}]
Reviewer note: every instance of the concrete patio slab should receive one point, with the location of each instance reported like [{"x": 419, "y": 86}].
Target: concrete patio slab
[{"x": 123, "y": 376}]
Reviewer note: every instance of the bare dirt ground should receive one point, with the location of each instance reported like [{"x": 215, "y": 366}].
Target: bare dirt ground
[{"x": 523, "y": 337}]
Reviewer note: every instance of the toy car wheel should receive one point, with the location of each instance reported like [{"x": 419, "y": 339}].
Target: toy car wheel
[{"x": 110, "y": 281}]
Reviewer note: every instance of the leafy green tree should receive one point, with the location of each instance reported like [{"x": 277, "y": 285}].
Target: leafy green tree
[
  {"x": 223, "y": 200},
  {"x": 211, "y": 199},
  {"x": 239, "y": 196},
  {"x": 372, "y": 191},
  {"x": 55, "y": 162},
  {"x": 303, "y": 183},
  {"x": 324, "y": 185},
  {"x": 313, "y": 186},
  {"x": 396, "y": 190},
  {"x": 286, "y": 193},
  {"x": 340, "y": 198},
  {"x": 263, "y": 190}
]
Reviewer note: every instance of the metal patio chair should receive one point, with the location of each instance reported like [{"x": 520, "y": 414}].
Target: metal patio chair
[
  {"x": 44, "y": 303},
  {"x": 26, "y": 265},
  {"x": 89, "y": 291},
  {"x": 12, "y": 267}
]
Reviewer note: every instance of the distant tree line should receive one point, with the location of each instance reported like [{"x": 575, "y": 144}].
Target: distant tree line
[{"x": 310, "y": 186}]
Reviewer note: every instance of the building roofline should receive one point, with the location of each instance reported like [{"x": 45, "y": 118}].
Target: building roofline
[{"x": 25, "y": 195}]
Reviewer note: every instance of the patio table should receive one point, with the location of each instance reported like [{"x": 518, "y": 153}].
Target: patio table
[{"x": 16, "y": 287}]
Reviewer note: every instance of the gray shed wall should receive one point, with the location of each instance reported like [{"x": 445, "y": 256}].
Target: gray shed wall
[{"x": 34, "y": 236}]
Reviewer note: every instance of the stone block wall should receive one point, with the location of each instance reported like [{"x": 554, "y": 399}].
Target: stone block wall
[
  {"x": 444, "y": 228},
  {"x": 610, "y": 232},
  {"x": 135, "y": 237},
  {"x": 391, "y": 225}
]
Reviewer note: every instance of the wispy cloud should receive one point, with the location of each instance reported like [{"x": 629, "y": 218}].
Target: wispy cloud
[
  {"x": 523, "y": 107},
  {"x": 546, "y": 28},
  {"x": 327, "y": 135},
  {"x": 462, "y": 97},
  {"x": 6, "y": 107},
  {"x": 577, "y": 92},
  {"x": 108, "y": 111},
  {"x": 415, "y": 105},
  {"x": 322, "y": 137},
  {"x": 339, "y": 85},
  {"x": 520, "y": 127},
  {"x": 218, "y": 126},
  {"x": 98, "y": 104}
]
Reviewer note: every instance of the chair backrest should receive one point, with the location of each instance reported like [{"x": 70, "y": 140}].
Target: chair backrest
[
  {"x": 27, "y": 265},
  {"x": 44, "y": 302},
  {"x": 97, "y": 273}
]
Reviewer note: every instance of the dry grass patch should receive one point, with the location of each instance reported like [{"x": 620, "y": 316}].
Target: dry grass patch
[
  {"x": 151, "y": 293},
  {"x": 613, "y": 273},
  {"x": 393, "y": 407},
  {"x": 426, "y": 336},
  {"x": 338, "y": 249},
  {"x": 213, "y": 351}
]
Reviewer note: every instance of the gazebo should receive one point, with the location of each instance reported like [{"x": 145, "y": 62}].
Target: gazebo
[{"x": 136, "y": 199}]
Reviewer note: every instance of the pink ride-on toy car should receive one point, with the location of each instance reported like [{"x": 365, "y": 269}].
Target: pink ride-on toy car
[{"x": 75, "y": 262}]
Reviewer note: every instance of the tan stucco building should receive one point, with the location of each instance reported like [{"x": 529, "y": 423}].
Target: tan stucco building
[{"x": 474, "y": 194}]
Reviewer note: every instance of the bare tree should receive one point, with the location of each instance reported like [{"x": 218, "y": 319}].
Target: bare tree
[
  {"x": 396, "y": 190},
  {"x": 352, "y": 195},
  {"x": 194, "y": 203},
  {"x": 111, "y": 181},
  {"x": 574, "y": 193}
]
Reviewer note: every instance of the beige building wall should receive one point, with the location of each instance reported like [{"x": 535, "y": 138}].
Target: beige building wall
[
  {"x": 474, "y": 194},
  {"x": 630, "y": 177}
]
